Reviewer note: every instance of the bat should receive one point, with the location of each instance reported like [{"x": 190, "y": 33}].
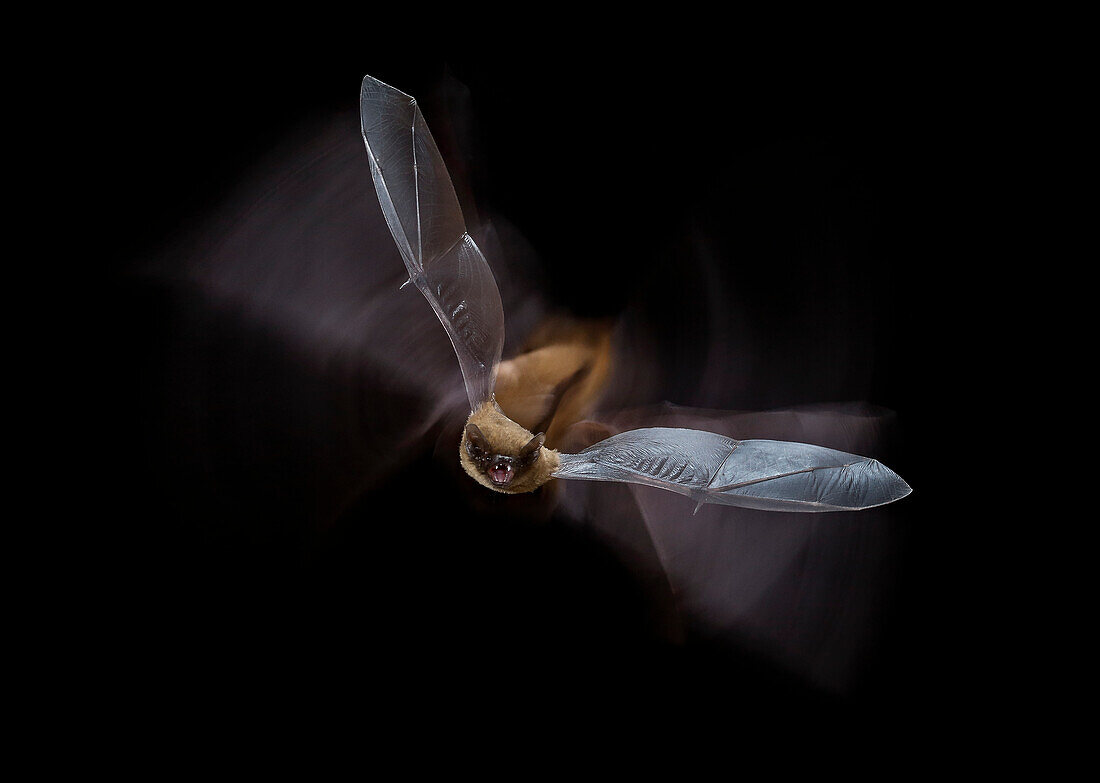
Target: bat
[
  {"x": 295, "y": 394},
  {"x": 444, "y": 262}
]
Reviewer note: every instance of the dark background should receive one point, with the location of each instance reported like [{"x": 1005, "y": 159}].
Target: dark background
[{"x": 854, "y": 159}]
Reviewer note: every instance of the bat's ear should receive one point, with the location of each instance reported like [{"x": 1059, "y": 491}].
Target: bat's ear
[
  {"x": 530, "y": 452},
  {"x": 476, "y": 442}
]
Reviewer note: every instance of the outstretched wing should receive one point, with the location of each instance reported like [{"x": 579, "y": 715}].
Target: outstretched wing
[
  {"x": 424, "y": 216},
  {"x": 771, "y": 475}
]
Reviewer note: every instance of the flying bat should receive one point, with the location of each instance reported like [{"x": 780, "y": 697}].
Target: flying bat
[
  {"x": 506, "y": 449},
  {"x": 295, "y": 394}
]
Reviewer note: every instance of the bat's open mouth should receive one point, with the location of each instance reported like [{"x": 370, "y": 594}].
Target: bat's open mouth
[{"x": 501, "y": 473}]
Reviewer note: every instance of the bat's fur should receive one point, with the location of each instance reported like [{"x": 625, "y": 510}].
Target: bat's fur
[
  {"x": 507, "y": 439},
  {"x": 559, "y": 376}
]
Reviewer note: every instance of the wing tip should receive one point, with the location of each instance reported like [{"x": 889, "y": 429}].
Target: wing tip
[
  {"x": 369, "y": 80},
  {"x": 892, "y": 487}
]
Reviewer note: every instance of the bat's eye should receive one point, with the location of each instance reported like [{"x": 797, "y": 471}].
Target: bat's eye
[{"x": 501, "y": 472}]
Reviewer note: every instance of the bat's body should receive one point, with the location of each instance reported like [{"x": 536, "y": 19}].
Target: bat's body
[
  {"x": 557, "y": 380},
  {"x": 542, "y": 394},
  {"x": 549, "y": 388}
]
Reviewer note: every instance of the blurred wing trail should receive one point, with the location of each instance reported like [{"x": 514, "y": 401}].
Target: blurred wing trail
[{"x": 804, "y": 592}]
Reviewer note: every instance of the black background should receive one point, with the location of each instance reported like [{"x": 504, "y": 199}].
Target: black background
[{"x": 881, "y": 129}]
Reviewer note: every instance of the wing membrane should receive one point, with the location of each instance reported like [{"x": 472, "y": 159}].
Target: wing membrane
[
  {"x": 765, "y": 474},
  {"x": 424, "y": 216},
  {"x": 461, "y": 289}
]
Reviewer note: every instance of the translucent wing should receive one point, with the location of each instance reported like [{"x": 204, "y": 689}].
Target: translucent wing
[
  {"x": 771, "y": 475},
  {"x": 424, "y": 216}
]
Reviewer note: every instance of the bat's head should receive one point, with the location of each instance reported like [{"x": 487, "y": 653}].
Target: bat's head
[{"x": 502, "y": 455}]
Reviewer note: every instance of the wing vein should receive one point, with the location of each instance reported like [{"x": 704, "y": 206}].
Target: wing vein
[
  {"x": 389, "y": 197},
  {"x": 416, "y": 190},
  {"x": 762, "y": 479}
]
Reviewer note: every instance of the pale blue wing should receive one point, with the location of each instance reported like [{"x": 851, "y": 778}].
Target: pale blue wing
[
  {"x": 424, "y": 216},
  {"x": 771, "y": 475}
]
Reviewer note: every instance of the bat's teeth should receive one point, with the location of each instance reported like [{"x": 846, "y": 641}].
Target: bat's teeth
[{"x": 501, "y": 474}]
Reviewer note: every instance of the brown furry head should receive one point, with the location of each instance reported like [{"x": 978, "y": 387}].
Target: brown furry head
[{"x": 502, "y": 455}]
